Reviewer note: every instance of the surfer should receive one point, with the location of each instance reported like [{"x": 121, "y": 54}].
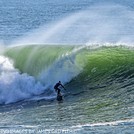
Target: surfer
[{"x": 57, "y": 89}]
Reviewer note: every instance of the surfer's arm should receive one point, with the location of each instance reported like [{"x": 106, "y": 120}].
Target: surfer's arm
[{"x": 63, "y": 87}]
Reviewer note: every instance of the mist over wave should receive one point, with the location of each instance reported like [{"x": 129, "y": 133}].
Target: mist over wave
[{"x": 100, "y": 23}]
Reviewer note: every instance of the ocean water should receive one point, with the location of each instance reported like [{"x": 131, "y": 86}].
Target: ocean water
[{"x": 88, "y": 45}]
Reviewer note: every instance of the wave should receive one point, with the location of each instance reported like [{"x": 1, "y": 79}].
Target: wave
[{"x": 34, "y": 69}]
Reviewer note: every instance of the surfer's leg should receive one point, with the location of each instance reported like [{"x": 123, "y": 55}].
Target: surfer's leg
[{"x": 58, "y": 91}]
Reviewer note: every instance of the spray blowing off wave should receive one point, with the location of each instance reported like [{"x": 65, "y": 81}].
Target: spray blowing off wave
[{"x": 99, "y": 23}]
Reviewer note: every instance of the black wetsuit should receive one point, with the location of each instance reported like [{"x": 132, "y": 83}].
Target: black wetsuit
[{"x": 56, "y": 87}]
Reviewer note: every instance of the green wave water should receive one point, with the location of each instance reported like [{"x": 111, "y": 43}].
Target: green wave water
[
  {"x": 34, "y": 59},
  {"x": 104, "y": 62}
]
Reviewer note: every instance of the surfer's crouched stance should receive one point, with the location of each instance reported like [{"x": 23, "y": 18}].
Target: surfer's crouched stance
[{"x": 57, "y": 89}]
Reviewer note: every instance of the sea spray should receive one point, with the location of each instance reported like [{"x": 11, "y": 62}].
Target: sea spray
[{"x": 99, "y": 23}]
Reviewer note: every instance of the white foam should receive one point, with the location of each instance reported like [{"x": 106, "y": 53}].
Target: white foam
[
  {"x": 113, "y": 123},
  {"x": 15, "y": 86}
]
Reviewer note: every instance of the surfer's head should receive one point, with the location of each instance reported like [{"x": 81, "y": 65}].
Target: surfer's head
[{"x": 59, "y": 81}]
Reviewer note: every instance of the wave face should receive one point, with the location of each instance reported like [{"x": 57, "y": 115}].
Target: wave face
[
  {"x": 47, "y": 63},
  {"x": 37, "y": 69},
  {"x": 81, "y": 68}
]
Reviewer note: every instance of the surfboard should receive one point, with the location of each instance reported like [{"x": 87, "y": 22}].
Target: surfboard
[{"x": 59, "y": 98}]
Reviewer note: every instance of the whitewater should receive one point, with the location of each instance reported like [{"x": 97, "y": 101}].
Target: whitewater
[{"x": 88, "y": 45}]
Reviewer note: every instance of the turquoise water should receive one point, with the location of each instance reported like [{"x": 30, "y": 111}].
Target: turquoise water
[{"x": 88, "y": 45}]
